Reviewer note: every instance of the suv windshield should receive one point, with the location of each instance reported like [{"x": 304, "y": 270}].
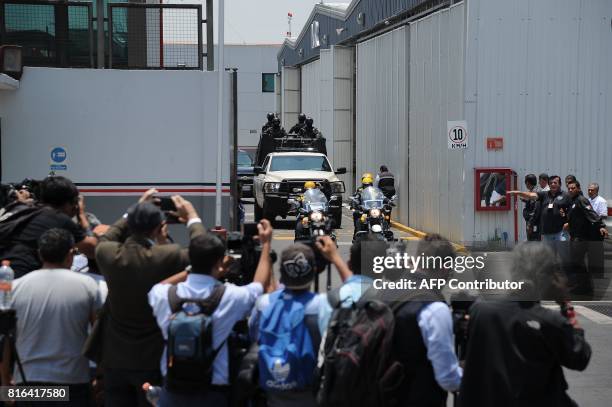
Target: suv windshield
[
  {"x": 244, "y": 159},
  {"x": 300, "y": 163}
]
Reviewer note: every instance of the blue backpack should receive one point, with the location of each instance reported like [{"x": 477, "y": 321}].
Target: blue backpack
[{"x": 287, "y": 357}]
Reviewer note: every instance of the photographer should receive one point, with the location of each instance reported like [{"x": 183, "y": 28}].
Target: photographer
[
  {"x": 517, "y": 348},
  {"x": 54, "y": 308},
  {"x": 133, "y": 256},
  {"x": 23, "y": 223},
  {"x": 228, "y": 304}
]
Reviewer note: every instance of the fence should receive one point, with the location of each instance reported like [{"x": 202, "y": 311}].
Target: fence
[
  {"x": 155, "y": 36},
  {"x": 61, "y": 33},
  {"x": 51, "y": 33}
]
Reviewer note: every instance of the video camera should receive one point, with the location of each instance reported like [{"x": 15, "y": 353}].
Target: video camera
[
  {"x": 8, "y": 192},
  {"x": 246, "y": 253}
]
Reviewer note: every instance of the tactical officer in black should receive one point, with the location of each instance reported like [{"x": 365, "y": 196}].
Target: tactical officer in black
[
  {"x": 276, "y": 130},
  {"x": 584, "y": 226},
  {"x": 297, "y": 128},
  {"x": 309, "y": 130},
  {"x": 268, "y": 125}
]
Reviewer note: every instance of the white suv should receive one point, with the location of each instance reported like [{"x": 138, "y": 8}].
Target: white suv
[{"x": 282, "y": 176}]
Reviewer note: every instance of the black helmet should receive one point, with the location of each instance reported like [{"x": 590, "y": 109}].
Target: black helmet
[
  {"x": 309, "y": 122},
  {"x": 301, "y": 118},
  {"x": 276, "y": 122},
  {"x": 271, "y": 116}
]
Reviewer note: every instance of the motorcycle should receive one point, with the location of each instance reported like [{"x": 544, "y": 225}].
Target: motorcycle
[
  {"x": 373, "y": 212},
  {"x": 313, "y": 221}
]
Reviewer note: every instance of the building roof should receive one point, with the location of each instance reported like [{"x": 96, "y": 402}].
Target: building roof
[{"x": 345, "y": 23}]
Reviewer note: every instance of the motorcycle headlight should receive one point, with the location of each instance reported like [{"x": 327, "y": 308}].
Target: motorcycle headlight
[
  {"x": 376, "y": 228},
  {"x": 316, "y": 216},
  {"x": 271, "y": 187},
  {"x": 337, "y": 187},
  {"x": 375, "y": 213}
]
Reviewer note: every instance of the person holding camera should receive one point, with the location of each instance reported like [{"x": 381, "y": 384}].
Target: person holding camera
[
  {"x": 517, "y": 348},
  {"x": 23, "y": 223},
  {"x": 133, "y": 256},
  {"x": 54, "y": 307},
  {"x": 197, "y": 379}
]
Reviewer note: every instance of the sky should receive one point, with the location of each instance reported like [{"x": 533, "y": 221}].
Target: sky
[{"x": 261, "y": 21}]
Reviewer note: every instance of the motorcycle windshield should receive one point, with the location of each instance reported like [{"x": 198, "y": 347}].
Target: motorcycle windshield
[
  {"x": 315, "y": 200},
  {"x": 372, "y": 198}
]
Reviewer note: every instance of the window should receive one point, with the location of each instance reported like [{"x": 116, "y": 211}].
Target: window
[
  {"x": 267, "y": 82},
  {"x": 300, "y": 163},
  {"x": 314, "y": 35}
]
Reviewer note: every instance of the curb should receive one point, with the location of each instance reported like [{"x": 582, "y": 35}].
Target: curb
[{"x": 421, "y": 235}]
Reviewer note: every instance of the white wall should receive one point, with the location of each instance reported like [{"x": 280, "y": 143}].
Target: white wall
[
  {"x": 253, "y": 104},
  {"x": 117, "y": 126},
  {"x": 311, "y": 91},
  {"x": 538, "y": 74},
  {"x": 437, "y": 192},
  {"x": 382, "y": 110},
  {"x": 290, "y": 96}
]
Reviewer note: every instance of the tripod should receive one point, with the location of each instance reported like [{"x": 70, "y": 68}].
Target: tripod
[{"x": 8, "y": 328}]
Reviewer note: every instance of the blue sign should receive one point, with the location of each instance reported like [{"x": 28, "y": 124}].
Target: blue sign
[{"x": 59, "y": 155}]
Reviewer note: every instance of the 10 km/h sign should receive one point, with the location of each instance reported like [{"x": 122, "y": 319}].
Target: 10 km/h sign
[{"x": 457, "y": 135}]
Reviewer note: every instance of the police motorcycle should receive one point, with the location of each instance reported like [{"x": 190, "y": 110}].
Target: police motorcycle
[
  {"x": 313, "y": 221},
  {"x": 374, "y": 214}
]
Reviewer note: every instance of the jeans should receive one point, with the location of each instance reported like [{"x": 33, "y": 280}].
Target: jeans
[
  {"x": 555, "y": 237},
  {"x": 123, "y": 387},
  {"x": 212, "y": 398}
]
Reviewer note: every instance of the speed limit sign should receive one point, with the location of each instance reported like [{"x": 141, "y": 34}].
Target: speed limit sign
[{"x": 457, "y": 135}]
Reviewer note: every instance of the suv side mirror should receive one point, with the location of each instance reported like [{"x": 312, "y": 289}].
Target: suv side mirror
[
  {"x": 258, "y": 170},
  {"x": 341, "y": 170}
]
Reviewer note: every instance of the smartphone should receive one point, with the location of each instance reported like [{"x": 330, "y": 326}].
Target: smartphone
[{"x": 166, "y": 204}]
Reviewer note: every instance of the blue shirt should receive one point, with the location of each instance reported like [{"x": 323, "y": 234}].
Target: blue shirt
[
  {"x": 235, "y": 304},
  {"x": 436, "y": 324}
]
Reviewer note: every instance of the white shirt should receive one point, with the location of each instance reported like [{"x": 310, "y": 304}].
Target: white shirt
[
  {"x": 235, "y": 304},
  {"x": 600, "y": 205}
]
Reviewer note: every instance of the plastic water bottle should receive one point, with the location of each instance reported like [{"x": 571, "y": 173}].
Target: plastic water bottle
[
  {"x": 152, "y": 393},
  {"x": 7, "y": 275}
]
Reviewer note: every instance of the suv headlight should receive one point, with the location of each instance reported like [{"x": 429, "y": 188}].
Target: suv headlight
[
  {"x": 337, "y": 187},
  {"x": 271, "y": 187}
]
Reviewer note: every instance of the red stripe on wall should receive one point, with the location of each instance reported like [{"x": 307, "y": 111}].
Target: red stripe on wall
[{"x": 160, "y": 190}]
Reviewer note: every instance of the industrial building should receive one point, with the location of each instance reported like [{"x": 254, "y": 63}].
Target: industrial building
[{"x": 461, "y": 99}]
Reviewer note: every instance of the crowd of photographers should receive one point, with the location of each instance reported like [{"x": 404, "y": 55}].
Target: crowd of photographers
[{"x": 173, "y": 324}]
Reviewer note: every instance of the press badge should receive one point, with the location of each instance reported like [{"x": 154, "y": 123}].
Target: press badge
[{"x": 550, "y": 206}]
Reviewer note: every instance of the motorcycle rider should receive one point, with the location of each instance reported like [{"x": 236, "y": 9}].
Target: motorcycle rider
[
  {"x": 366, "y": 181},
  {"x": 297, "y": 128},
  {"x": 299, "y": 227}
]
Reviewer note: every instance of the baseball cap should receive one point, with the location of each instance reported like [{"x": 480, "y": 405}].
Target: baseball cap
[
  {"x": 297, "y": 267},
  {"x": 144, "y": 217}
]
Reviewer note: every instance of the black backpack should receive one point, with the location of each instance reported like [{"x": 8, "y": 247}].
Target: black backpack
[
  {"x": 190, "y": 353},
  {"x": 13, "y": 218},
  {"x": 358, "y": 367}
]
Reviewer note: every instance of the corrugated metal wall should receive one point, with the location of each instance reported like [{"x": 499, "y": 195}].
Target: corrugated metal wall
[
  {"x": 382, "y": 109},
  {"x": 290, "y": 96},
  {"x": 436, "y": 96},
  {"x": 311, "y": 91},
  {"x": 538, "y": 73}
]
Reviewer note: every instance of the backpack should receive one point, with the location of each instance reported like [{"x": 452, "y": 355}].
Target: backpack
[
  {"x": 287, "y": 356},
  {"x": 13, "y": 218},
  {"x": 190, "y": 353},
  {"x": 358, "y": 367}
]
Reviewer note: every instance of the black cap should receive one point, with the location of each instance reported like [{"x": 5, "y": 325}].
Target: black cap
[
  {"x": 297, "y": 267},
  {"x": 144, "y": 217}
]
